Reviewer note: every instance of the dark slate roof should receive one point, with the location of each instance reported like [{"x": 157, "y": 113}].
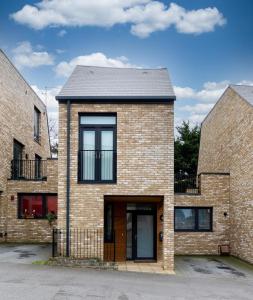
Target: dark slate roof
[
  {"x": 245, "y": 91},
  {"x": 89, "y": 83}
]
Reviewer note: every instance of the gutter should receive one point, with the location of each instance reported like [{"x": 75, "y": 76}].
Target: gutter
[{"x": 68, "y": 181}]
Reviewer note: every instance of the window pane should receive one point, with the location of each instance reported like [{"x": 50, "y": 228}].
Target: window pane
[
  {"x": 31, "y": 206},
  {"x": 96, "y": 120},
  {"x": 108, "y": 222},
  {"x": 52, "y": 204},
  {"x": 204, "y": 218},
  {"x": 88, "y": 156},
  {"x": 36, "y": 123},
  {"x": 106, "y": 155},
  {"x": 36, "y": 206},
  {"x": 184, "y": 219}
]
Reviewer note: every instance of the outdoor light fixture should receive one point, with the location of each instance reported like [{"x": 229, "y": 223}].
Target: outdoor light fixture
[{"x": 225, "y": 214}]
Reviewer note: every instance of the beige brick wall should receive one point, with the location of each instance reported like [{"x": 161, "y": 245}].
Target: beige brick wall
[
  {"x": 144, "y": 165},
  {"x": 226, "y": 146},
  {"x": 17, "y": 101},
  {"x": 215, "y": 194},
  {"x": 29, "y": 230}
]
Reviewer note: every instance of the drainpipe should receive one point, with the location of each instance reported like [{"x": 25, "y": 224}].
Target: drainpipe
[{"x": 68, "y": 180}]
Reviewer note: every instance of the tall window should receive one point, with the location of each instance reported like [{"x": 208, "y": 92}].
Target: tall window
[
  {"x": 37, "y": 116},
  {"x": 37, "y": 170},
  {"x": 36, "y": 206},
  {"x": 193, "y": 218},
  {"x": 108, "y": 226},
  {"x": 97, "y": 148}
]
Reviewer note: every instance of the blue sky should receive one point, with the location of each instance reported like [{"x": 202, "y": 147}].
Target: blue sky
[{"x": 204, "y": 44}]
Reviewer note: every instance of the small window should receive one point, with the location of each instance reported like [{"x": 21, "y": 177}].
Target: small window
[
  {"x": 36, "y": 206},
  {"x": 108, "y": 222},
  {"x": 37, "y": 116},
  {"x": 193, "y": 219},
  {"x": 98, "y": 120}
]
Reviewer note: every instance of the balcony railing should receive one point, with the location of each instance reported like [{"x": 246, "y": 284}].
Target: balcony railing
[
  {"x": 97, "y": 165},
  {"x": 185, "y": 184},
  {"x": 28, "y": 169}
]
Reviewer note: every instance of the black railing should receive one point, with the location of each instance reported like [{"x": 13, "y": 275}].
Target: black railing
[
  {"x": 186, "y": 184},
  {"x": 28, "y": 169},
  {"x": 97, "y": 165},
  {"x": 83, "y": 244}
]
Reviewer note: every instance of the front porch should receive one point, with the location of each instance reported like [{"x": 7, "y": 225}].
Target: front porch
[{"x": 133, "y": 227}]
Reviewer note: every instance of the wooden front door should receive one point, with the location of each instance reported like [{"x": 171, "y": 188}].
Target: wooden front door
[{"x": 120, "y": 231}]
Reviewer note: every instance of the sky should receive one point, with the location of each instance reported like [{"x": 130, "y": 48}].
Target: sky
[{"x": 205, "y": 45}]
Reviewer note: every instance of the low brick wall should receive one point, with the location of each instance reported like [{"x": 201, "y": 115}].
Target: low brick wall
[
  {"x": 214, "y": 193},
  {"x": 28, "y": 230}
]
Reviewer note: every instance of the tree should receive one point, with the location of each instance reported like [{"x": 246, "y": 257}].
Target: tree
[
  {"x": 187, "y": 149},
  {"x": 53, "y": 133}
]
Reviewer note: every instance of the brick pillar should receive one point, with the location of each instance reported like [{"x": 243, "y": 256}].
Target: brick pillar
[{"x": 168, "y": 233}]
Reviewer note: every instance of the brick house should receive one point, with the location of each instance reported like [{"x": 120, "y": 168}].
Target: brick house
[
  {"x": 226, "y": 147},
  {"x": 117, "y": 199},
  {"x": 28, "y": 178},
  {"x": 116, "y": 146}
]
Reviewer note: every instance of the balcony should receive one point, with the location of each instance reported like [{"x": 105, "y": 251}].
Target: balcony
[
  {"x": 186, "y": 184},
  {"x": 29, "y": 170},
  {"x": 97, "y": 166}
]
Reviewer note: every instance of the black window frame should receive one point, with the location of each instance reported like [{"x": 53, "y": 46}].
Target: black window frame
[
  {"x": 106, "y": 238},
  {"x": 36, "y": 135},
  {"x": 44, "y": 205},
  {"x": 196, "y": 224},
  {"x": 98, "y": 127}
]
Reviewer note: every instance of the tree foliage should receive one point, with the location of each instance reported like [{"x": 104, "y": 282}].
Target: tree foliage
[
  {"x": 53, "y": 134},
  {"x": 187, "y": 149}
]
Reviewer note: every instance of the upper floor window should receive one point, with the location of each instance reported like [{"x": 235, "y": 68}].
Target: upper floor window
[
  {"x": 97, "y": 148},
  {"x": 37, "y": 117},
  {"x": 193, "y": 218}
]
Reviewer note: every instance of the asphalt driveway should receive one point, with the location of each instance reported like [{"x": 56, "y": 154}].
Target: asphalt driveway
[
  {"x": 24, "y": 254},
  {"x": 224, "y": 267},
  {"x": 207, "y": 278}
]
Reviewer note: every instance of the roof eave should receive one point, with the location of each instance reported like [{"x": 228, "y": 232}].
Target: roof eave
[{"x": 117, "y": 99}]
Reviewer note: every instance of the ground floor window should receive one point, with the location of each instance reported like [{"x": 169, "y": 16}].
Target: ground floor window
[
  {"x": 108, "y": 217},
  {"x": 193, "y": 218},
  {"x": 36, "y": 206}
]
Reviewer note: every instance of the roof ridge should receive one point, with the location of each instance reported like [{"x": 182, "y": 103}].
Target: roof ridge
[
  {"x": 133, "y": 68},
  {"x": 236, "y": 84}
]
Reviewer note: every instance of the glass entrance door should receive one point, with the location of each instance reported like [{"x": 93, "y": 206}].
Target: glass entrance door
[
  {"x": 141, "y": 234},
  {"x": 145, "y": 236}
]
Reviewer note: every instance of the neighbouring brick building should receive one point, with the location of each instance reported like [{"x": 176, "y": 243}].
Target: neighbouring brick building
[
  {"x": 226, "y": 147},
  {"x": 28, "y": 175}
]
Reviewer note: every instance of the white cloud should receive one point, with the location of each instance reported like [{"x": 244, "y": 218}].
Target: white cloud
[
  {"x": 25, "y": 56},
  {"x": 196, "y": 119},
  {"x": 198, "y": 108},
  {"x": 62, "y": 32},
  {"x": 205, "y": 100},
  {"x": 210, "y": 92},
  {"x": 99, "y": 59},
  {"x": 144, "y": 16}
]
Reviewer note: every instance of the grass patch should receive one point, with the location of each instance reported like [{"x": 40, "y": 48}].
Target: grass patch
[{"x": 40, "y": 262}]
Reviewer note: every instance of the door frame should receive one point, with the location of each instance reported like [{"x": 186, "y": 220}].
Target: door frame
[{"x": 135, "y": 213}]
